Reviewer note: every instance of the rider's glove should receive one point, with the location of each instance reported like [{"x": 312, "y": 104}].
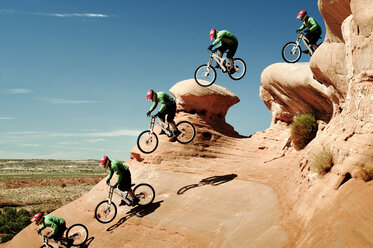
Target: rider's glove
[
  {"x": 108, "y": 182},
  {"x": 115, "y": 185},
  {"x": 156, "y": 115},
  {"x": 210, "y": 47},
  {"x": 50, "y": 236},
  {"x": 39, "y": 232},
  {"x": 148, "y": 113},
  {"x": 298, "y": 31}
]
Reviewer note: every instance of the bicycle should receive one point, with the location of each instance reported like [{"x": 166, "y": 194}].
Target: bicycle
[
  {"x": 76, "y": 235},
  {"x": 291, "y": 51},
  {"x": 106, "y": 210},
  {"x": 205, "y": 75},
  {"x": 147, "y": 141}
]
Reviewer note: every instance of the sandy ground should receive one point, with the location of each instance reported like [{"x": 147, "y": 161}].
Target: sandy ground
[{"x": 224, "y": 212}]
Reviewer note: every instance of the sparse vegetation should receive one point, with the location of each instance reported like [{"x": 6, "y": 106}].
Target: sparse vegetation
[
  {"x": 30, "y": 186},
  {"x": 322, "y": 161},
  {"x": 303, "y": 130},
  {"x": 367, "y": 169},
  {"x": 13, "y": 221}
]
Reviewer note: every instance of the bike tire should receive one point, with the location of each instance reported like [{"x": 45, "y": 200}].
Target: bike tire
[
  {"x": 188, "y": 132},
  {"x": 287, "y": 51},
  {"x": 78, "y": 233},
  {"x": 205, "y": 75},
  {"x": 144, "y": 193},
  {"x": 46, "y": 246},
  {"x": 101, "y": 211},
  {"x": 147, "y": 144},
  {"x": 240, "y": 69}
]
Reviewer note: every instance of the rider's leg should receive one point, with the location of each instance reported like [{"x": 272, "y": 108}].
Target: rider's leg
[
  {"x": 230, "y": 54},
  {"x": 171, "y": 112}
]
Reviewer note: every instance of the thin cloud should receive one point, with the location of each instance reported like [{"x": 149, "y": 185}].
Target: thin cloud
[
  {"x": 44, "y": 134},
  {"x": 18, "y": 91},
  {"x": 67, "y": 15},
  {"x": 7, "y": 118},
  {"x": 66, "y": 101}
]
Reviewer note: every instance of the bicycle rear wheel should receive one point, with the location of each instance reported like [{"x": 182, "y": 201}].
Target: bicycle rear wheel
[
  {"x": 144, "y": 193},
  {"x": 147, "y": 142},
  {"x": 188, "y": 132},
  {"x": 105, "y": 212},
  {"x": 205, "y": 75},
  {"x": 240, "y": 69},
  {"x": 77, "y": 234},
  {"x": 291, "y": 53}
]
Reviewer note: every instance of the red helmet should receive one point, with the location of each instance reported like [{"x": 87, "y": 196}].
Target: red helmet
[
  {"x": 301, "y": 14},
  {"x": 213, "y": 33},
  {"x": 103, "y": 161},
  {"x": 37, "y": 217},
  {"x": 149, "y": 95}
]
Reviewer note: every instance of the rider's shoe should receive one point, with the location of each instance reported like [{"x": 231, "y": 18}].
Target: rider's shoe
[
  {"x": 122, "y": 203},
  {"x": 217, "y": 65},
  {"x": 135, "y": 201},
  {"x": 176, "y": 133},
  {"x": 305, "y": 51},
  {"x": 162, "y": 132},
  {"x": 231, "y": 70}
]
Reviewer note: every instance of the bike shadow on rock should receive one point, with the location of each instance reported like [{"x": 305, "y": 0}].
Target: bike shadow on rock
[
  {"x": 87, "y": 243},
  {"x": 213, "y": 181},
  {"x": 138, "y": 211}
]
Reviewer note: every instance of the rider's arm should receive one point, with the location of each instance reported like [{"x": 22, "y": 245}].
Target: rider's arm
[
  {"x": 302, "y": 27},
  {"x": 313, "y": 23},
  {"x": 153, "y": 106},
  {"x": 110, "y": 174}
]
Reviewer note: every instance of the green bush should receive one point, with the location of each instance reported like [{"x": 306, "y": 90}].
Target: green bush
[
  {"x": 303, "y": 130},
  {"x": 322, "y": 161},
  {"x": 13, "y": 221},
  {"x": 367, "y": 169}
]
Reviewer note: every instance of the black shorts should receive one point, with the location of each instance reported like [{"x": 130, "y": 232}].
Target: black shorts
[
  {"x": 170, "y": 111},
  {"x": 314, "y": 36},
  {"x": 231, "y": 49},
  {"x": 125, "y": 182}
]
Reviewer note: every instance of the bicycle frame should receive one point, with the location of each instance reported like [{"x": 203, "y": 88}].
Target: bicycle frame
[
  {"x": 46, "y": 242},
  {"x": 302, "y": 37},
  {"x": 164, "y": 126},
  {"x": 218, "y": 60}
]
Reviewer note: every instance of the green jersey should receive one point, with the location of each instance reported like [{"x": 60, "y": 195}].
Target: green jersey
[
  {"x": 53, "y": 222},
  {"x": 225, "y": 37},
  {"x": 119, "y": 168},
  {"x": 164, "y": 99},
  {"x": 311, "y": 24}
]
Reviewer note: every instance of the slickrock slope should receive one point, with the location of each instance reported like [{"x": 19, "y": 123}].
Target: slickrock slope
[{"x": 260, "y": 191}]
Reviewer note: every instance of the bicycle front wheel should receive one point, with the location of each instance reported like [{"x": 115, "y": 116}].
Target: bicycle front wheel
[
  {"x": 291, "y": 53},
  {"x": 147, "y": 142},
  {"x": 239, "y": 69},
  {"x": 105, "y": 212},
  {"x": 144, "y": 193},
  {"x": 188, "y": 132},
  {"x": 77, "y": 234},
  {"x": 205, "y": 75}
]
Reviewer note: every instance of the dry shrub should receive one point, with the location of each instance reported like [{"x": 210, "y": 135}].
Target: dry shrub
[
  {"x": 303, "y": 130},
  {"x": 322, "y": 161},
  {"x": 367, "y": 169}
]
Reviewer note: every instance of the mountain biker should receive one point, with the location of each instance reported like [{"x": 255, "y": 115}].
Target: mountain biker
[
  {"x": 168, "y": 107},
  {"x": 314, "y": 30},
  {"x": 123, "y": 179},
  {"x": 228, "y": 42},
  {"x": 58, "y": 225}
]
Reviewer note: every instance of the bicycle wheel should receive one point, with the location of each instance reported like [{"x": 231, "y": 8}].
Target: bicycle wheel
[
  {"x": 147, "y": 142},
  {"x": 144, "y": 193},
  {"x": 105, "y": 212},
  {"x": 77, "y": 234},
  {"x": 187, "y": 132},
  {"x": 240, "y": 69},
  {"x": 291, "y": 53},
  {"x": 205, "y": 75}
]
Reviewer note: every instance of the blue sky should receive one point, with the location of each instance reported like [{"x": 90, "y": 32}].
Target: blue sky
[{"x": 74, "y": 73}]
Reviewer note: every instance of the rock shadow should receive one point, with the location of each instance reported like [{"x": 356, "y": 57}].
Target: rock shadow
[
  {"x": 138, "y": 211},
  {"x": 213, "y": 181}
]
